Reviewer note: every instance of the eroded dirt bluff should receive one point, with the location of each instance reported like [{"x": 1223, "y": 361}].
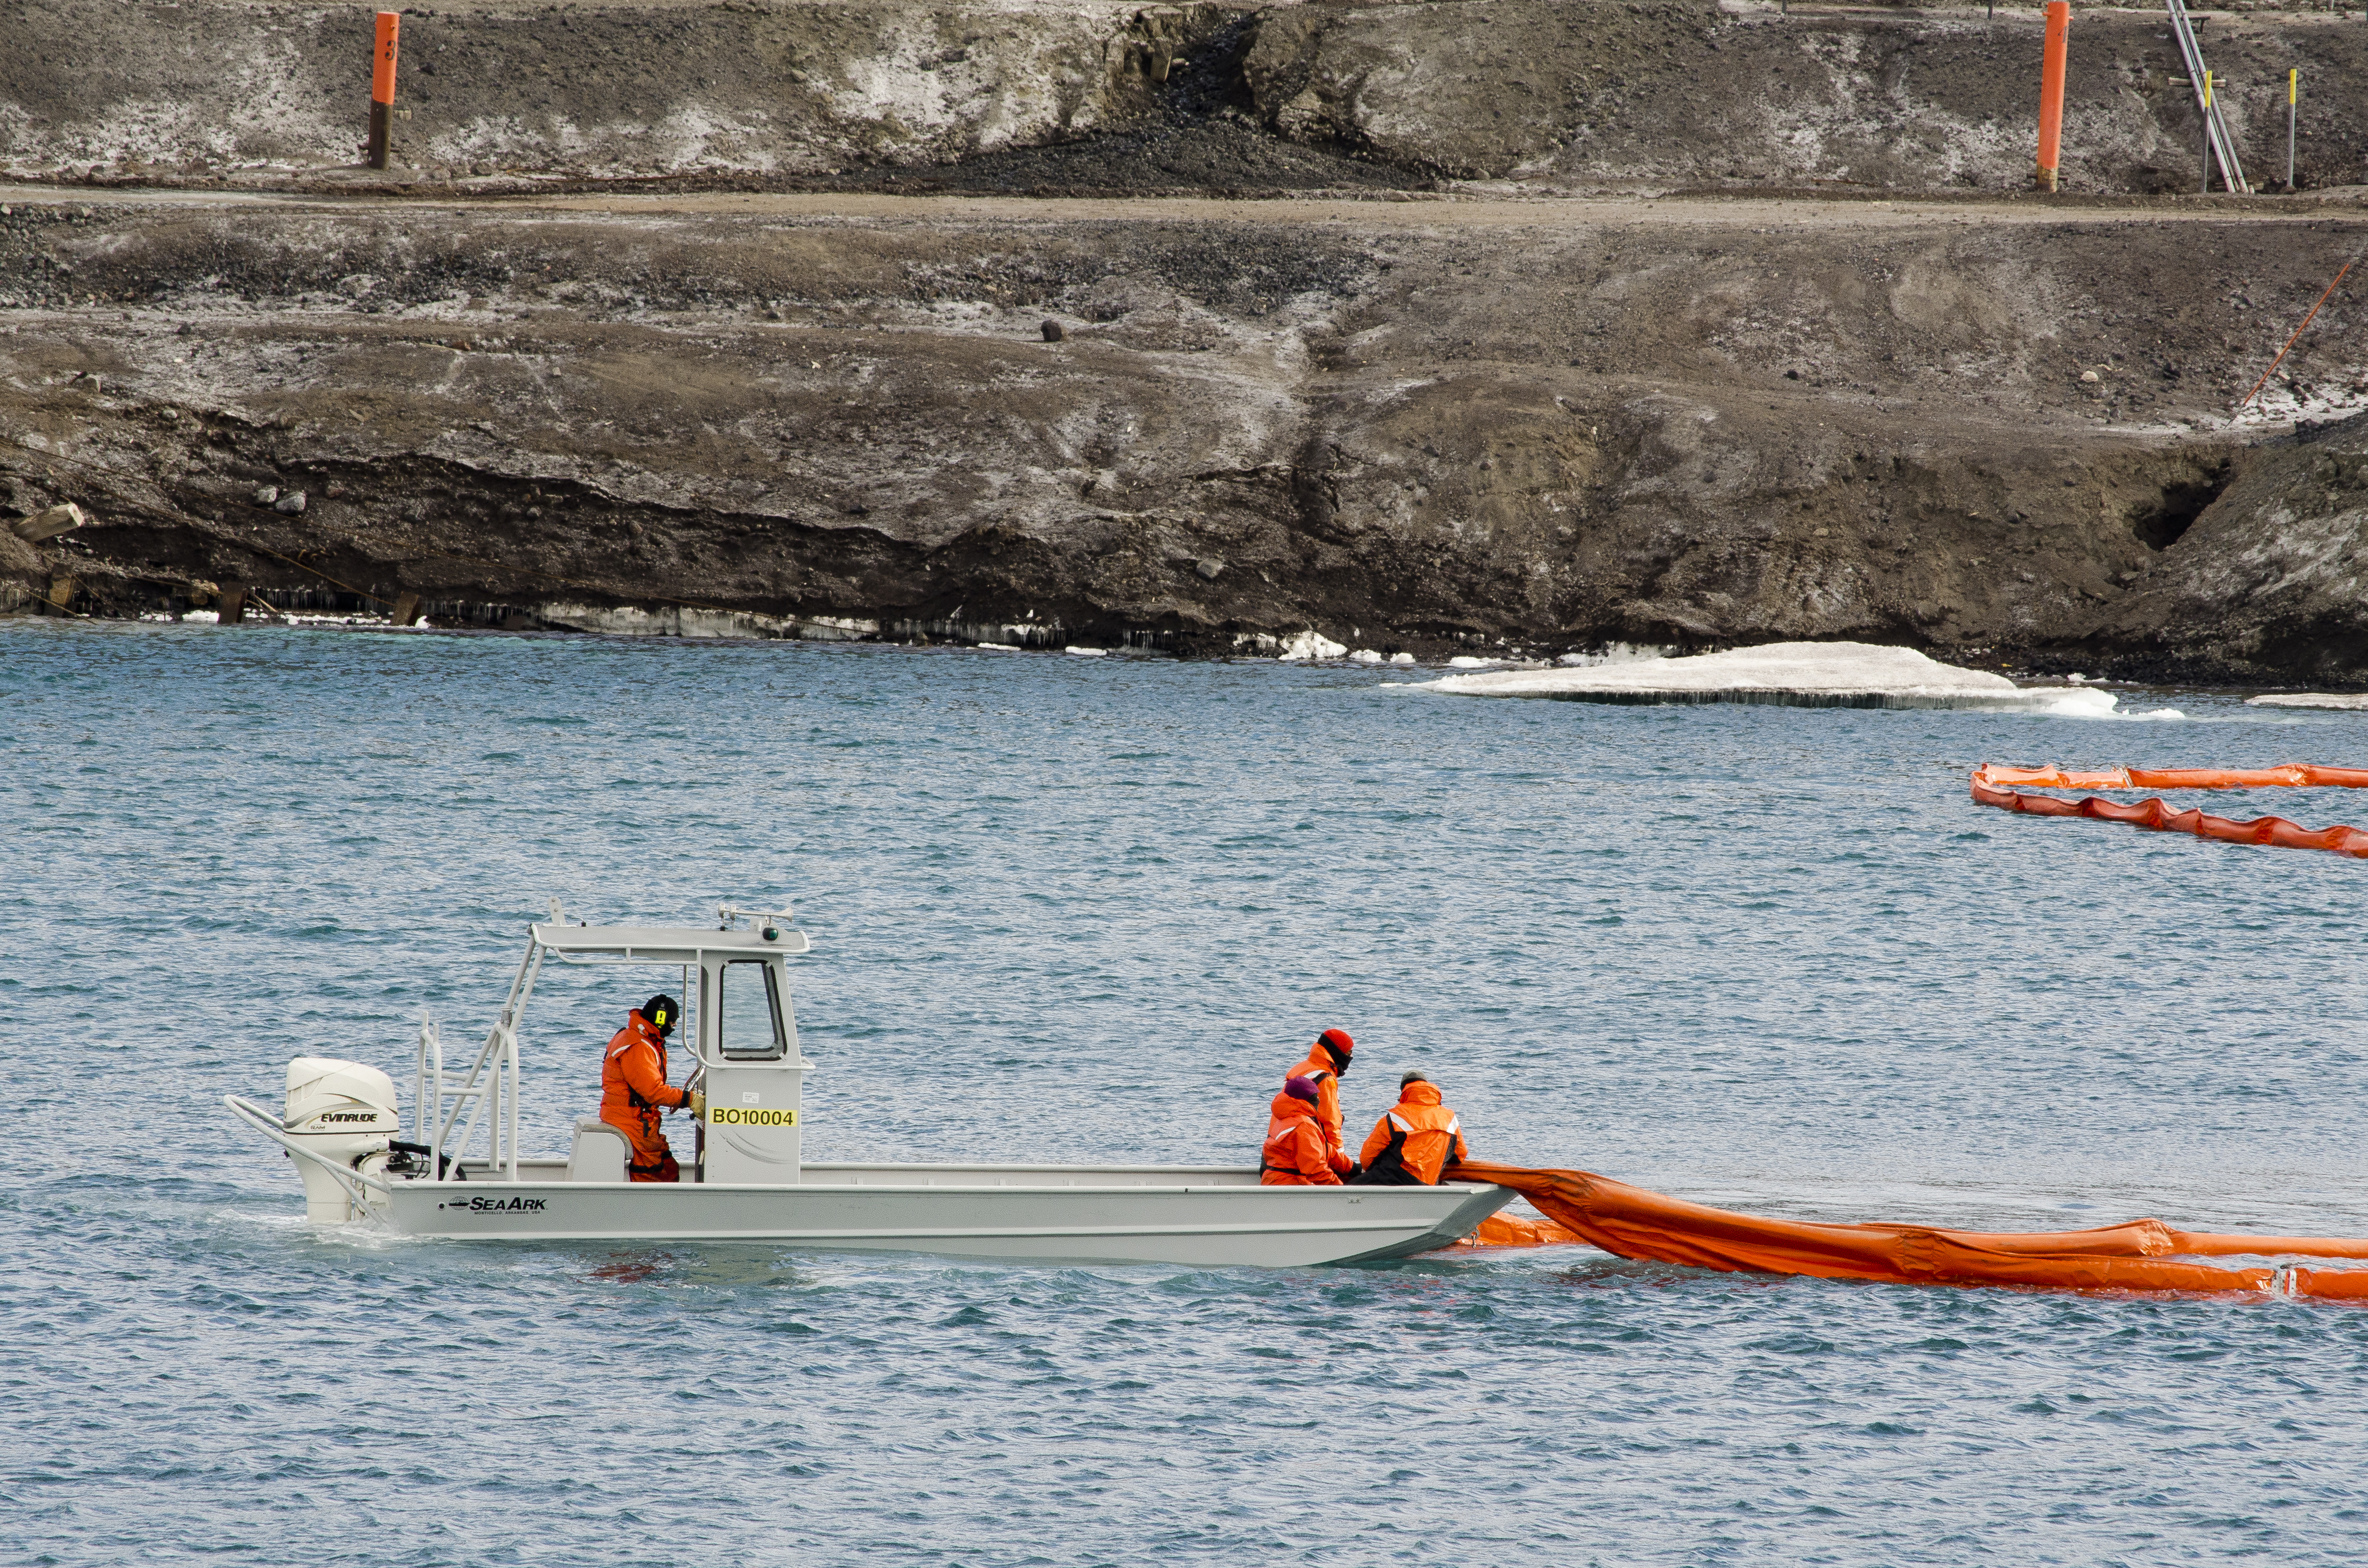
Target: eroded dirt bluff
[
  {"x": 1985, "y": 431},
  {"x": 1076, "y": 95},
  {"x": 2271, "y": 582}
]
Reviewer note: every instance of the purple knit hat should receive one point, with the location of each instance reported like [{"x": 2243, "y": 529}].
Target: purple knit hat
[{"x": 1301, "y": 1089}]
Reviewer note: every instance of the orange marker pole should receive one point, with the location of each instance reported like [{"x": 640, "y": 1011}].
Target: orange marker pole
[
  {"x": 2051, "y": 90},
  {"x": 382, "y": 124}
]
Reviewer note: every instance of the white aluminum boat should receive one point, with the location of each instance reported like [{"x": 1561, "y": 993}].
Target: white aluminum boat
[{"x": 745, "y": 1181}]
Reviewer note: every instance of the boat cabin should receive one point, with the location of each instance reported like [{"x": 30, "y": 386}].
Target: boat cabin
[{"x": 740, "y": 1031}]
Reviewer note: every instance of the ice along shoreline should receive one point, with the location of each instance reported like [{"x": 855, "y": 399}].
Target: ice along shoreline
[{"x": 1786, "y": 675}]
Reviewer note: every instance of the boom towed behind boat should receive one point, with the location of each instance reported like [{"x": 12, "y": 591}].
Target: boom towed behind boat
[{"x": 747, "y": 1181}]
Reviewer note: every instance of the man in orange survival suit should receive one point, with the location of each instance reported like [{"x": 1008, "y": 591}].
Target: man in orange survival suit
[
  {"x": 1327, "y": 1059},
  {"x": 1414, "y": 1139},
  {"x": 1294, "y": 1154},
  {"x": 634, "y": 1093}
]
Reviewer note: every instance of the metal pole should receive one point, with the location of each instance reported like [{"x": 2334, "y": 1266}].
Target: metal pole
[
  {"x": 381, "y": 118},
  {"x": 436, "y": 1128},
  {"x": 2294, "y": 90},
  {"x": 419, "y": 1079},
  {"x": 513, "y": 1105},
  {"x": 2207, "y": 133}
]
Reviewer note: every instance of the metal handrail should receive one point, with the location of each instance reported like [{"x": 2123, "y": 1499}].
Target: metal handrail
[
  {"x": 488, "y": 1092},
  {"x": 358, "y": 1185}
]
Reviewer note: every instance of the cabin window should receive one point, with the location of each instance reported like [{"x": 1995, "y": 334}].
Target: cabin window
[{"x": 748, "y": 1024}]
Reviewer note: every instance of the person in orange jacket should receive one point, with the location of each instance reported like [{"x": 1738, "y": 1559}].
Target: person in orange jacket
[
  {"x": 1327, "y": 1061},
  {"x": 634, "y": 1093},
  {"x": 1294, "y": 1154},
  {"x": 1414, "y": 1139}
]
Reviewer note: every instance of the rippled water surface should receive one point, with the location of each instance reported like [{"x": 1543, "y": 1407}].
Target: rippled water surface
[{"x": 1087, "y": 910}]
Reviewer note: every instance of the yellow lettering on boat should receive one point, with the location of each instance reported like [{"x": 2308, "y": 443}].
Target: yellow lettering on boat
[{"x": 740, "y": 1116}]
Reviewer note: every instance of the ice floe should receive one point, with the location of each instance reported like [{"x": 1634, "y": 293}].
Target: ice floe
[
  {"x": 2345, "y": 699},
  {"x": 1795, "y": 675}
]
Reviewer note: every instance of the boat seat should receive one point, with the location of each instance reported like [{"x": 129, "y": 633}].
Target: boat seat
[{"x": 598, "y": 1154}]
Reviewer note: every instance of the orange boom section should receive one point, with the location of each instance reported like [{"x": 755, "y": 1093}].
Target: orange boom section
[
  {"x": 2139, "y": 1256},
  {"x": 1990, "y": 783}
]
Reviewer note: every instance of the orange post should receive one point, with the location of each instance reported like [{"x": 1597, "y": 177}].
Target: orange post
[
  {"x": 2051, "y": 90},
  {"x": 381, "y": 120}
]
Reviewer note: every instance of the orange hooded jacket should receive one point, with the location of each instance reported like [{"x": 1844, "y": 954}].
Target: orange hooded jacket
[
  {"x": 1294, "y": 1154},
  {"x": 1318, "y": 1069},
  {"x": 1418, "y": 1135},
  {"x": 634, "y": 1092}
]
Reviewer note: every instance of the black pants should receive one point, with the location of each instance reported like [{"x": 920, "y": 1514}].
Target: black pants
[{"x": 1386, "y": 1171}]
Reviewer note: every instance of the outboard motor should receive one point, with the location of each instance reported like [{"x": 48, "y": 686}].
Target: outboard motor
[{"x": 345, "y": 1112}]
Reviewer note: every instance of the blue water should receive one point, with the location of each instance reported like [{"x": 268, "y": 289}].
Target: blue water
[{"x": 1087, "y": 910}]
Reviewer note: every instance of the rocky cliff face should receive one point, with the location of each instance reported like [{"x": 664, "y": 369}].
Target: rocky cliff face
[
  {"x": 2271, "y": 582},
  {"x": 1665, "y": 423}
]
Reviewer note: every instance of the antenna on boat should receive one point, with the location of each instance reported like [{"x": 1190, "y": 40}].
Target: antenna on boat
[{"x": 773, "y": 919}]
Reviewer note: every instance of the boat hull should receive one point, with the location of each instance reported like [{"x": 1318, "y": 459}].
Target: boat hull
[{"x": 1216, "y": 1217}]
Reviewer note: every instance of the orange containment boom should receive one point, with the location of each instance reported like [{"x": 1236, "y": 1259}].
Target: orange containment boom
[
  {"x": 2139, "y": 1256},
  {"x": 1990, "y": 781}
]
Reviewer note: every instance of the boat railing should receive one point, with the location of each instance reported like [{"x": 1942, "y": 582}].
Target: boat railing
[
  {"x": 487, "y": 1093},
  {"x": 359, "y": 1187}
]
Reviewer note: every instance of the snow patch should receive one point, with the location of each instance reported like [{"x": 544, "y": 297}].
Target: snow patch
[
  {"x": 1614, "y": 654},
  {"x": 1309, "y": 644}
]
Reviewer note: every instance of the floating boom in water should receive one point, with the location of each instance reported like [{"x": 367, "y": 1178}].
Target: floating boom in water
[
  {"x": 1990, "y": 789},
  {"x": 2142, "y": 1255}
]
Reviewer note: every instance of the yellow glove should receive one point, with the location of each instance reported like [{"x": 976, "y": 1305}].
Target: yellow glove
[{"x": 697, "y": 1105}]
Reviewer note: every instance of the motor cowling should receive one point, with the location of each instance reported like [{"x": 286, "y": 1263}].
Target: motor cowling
[{"x": 345, "y": 1112}]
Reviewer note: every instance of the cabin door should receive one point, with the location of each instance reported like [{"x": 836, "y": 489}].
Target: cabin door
[{"x": 755, "y": 1079}]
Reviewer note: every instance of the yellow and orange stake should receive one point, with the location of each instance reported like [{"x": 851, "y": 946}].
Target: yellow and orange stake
[
  {"x": 2293, "y": 92},
  {"x": 381, "y": 120},
  {"x": 2051, "y": 90}
]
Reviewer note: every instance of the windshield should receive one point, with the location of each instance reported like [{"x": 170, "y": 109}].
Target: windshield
[{"x": 748, "y": 1016}]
